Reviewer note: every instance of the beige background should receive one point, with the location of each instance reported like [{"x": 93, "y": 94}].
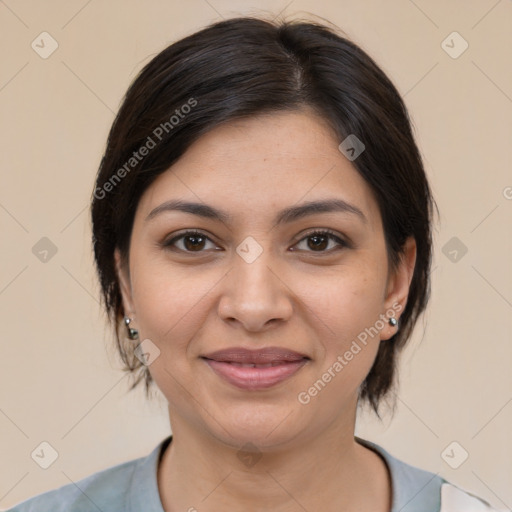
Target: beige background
[{"x": 60, "y": 378}]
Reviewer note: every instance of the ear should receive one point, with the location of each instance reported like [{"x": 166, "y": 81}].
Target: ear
[
  {"x": 398, "y": 285},
  {"x": 124, "y": 284}
]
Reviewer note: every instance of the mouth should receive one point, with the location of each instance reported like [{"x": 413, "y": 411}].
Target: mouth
[{"x": 255, "y": 369}]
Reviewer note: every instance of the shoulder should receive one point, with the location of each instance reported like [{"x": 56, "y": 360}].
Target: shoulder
[
  {"x": 111, "y": 489},
  {"x": 90, "y": 493},
  {"x": 417, "y": 490}
]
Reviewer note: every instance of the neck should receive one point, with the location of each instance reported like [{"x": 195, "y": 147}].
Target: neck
[{"x": 327, "y": 472}]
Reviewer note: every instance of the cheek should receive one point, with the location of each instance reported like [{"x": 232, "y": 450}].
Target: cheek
[
  {"x": 165, "y": 300},
  {"x": 172, "y": 304},
  {"x": 343, "y": 303},
  {"x": 345, "y": 316},
  {"x": 171, "y": 308}
]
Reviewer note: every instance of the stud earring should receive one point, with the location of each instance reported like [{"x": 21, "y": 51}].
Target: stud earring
[
  {"x": 133, "y": 334},
  {"x": 393, "y": 321}
]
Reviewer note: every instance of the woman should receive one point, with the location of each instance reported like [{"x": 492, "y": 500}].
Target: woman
[{"x": 262, "y": 234}]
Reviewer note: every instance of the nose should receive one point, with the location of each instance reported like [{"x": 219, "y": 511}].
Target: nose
[{"x": 254, "y": 295}]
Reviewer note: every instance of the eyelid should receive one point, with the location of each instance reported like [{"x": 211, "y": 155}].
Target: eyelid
[
  {"x": 329, "y": 233},
  {"x": 340, "y": 240},
  {"x": 170, "y": 241}
]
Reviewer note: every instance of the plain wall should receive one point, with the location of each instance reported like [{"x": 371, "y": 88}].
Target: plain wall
[{"x": 60, "y": 379}]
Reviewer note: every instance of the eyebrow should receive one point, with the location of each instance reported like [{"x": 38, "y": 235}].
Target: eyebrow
[{"x": 287, "y": 215}]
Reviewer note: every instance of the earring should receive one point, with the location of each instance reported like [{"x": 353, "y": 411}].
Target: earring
[
  {"x": 133, "y": 334},
  {"x": 393, "y": 321}
]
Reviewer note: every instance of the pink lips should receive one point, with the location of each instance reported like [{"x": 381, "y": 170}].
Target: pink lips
[{"x": 255, "y": 369}]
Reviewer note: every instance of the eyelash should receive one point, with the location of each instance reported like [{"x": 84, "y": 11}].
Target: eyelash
[{"x": 324, "y": 232}]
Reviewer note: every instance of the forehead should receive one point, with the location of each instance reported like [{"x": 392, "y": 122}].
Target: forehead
[{"x": 262, "y": 164}]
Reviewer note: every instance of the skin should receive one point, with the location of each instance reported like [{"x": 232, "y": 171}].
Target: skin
[{"x": 294, "y": 295}]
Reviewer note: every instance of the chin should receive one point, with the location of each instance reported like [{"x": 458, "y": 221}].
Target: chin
[{"x": 266, "y": 427}]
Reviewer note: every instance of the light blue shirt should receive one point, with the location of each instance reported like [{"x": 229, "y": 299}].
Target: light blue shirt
[{"x": 132, "y": 487}]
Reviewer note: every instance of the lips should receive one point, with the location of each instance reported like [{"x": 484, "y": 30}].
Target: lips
[
  {"x": 262, "y": 356},
  {"x": 255, "y": 369}
]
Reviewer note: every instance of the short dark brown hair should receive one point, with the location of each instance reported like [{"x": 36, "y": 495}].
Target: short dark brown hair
[{"x": 239, "y": 68}]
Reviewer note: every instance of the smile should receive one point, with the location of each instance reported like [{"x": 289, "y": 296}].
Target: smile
[{"x": 255, "y": 376}]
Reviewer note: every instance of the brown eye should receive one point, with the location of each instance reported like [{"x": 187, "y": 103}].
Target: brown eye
[
  {"x": 190, "y": 241},
  {"x": 194, "y": 242},
  {"x": 318, "y": 241}
]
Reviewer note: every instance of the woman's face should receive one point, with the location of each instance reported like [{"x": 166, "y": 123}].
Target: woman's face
[{"x": 259, "y": 277}]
